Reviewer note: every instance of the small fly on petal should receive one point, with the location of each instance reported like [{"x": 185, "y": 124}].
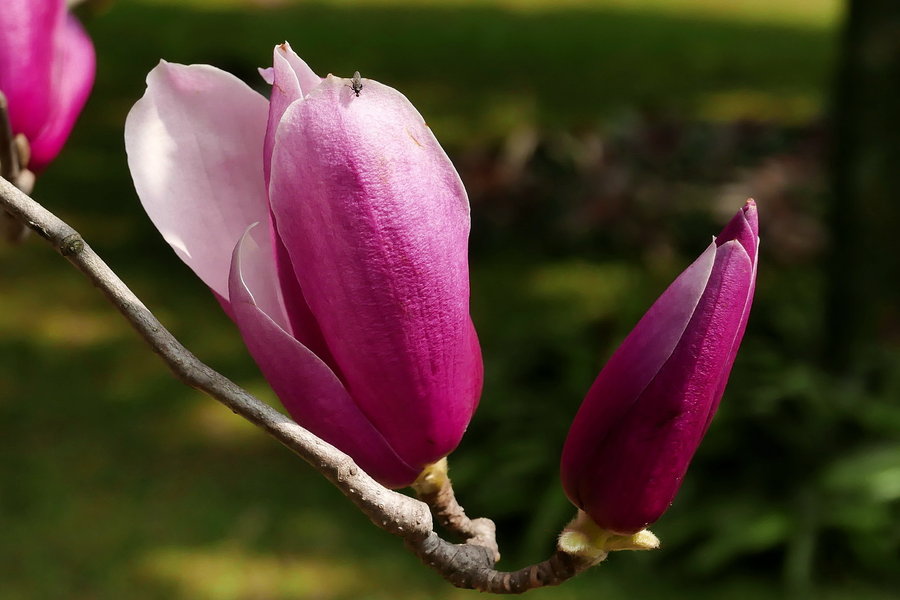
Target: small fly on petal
[{"x": 356, "y": 83}]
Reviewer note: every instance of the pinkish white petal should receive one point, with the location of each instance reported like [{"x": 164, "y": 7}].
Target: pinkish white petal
[{"x": 194, "y": 145}]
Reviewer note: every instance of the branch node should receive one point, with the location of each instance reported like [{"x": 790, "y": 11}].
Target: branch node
[
  {"x": 434, "y": 488},
  {"x": 71, "y": 245}
]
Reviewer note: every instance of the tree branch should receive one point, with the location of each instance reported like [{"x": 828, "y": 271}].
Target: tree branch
[
  {"x": 469, "y": 565},
  {"x": 434, "y": 488}
]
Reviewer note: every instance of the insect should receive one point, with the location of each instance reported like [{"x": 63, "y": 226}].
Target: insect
[{"x": 356, "y": 83}]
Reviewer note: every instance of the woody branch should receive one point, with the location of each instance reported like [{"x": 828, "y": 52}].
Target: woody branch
[{"x": 467, "y": 565}]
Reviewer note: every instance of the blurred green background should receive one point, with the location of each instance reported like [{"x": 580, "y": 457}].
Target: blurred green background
[{"x": 602, "y": 143}]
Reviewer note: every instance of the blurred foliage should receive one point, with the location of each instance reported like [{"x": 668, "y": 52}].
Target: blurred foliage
[{"x": 602, "y": 143}]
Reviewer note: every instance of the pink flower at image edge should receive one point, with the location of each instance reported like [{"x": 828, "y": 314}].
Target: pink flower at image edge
[{"x": 47, "y": 67}]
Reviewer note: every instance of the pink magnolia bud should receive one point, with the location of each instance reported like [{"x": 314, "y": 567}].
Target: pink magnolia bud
[
  {"x": 642, "y": 420},
  {"x": 333, "y": 229},
  {"x": 47, "y": 69}
]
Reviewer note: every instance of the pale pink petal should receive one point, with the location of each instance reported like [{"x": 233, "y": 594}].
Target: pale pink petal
[
  {"x": 307, "y": 388},
  {"x": 268, "y": 74},
  {"x": 195, "y": 147},
  {"x": 307, "y": 77},
  {"x": 260, "y": 278},
  {"x": 376, "y": 222}
]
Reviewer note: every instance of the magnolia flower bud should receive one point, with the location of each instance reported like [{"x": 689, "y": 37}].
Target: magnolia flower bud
[{"x": 642, "y": 420}]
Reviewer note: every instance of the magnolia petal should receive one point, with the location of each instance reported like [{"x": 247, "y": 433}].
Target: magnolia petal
[
  {"x": 194, "y": 144},
  {"x": 303, "y": 324},
  {"x": 376, "y": 223},
  {"x": 307, "y": 388},
  {"x": 744, "y": 228},
  {"x": 28, "y": 30},
  {"x": 306, "y": 76},
  {"x": 74, "y": 66},
  {"x": 268, "y": 74},
  {"x": 631, "y": 368},
  {"x": 259, "y": 278},
  {"x": 291, "y": 79},
  {"x": 640, "y": 464}
]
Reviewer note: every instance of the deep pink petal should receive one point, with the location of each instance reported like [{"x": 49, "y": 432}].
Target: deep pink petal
[
  {"x": 637, "y": 469},
  {"x": 195, "y": 146},
  {"x": 28, "y": 30},
  {"x": 630, "y": 446},
  {"x": 74, "y": 65},
  {"x": 745, "y": 229},
  {"x": 376, "y": 222},
  {"x": 303, "y": 324},
  {"x": 309, "y": 390},
  {"x": 632, "y": 367}
]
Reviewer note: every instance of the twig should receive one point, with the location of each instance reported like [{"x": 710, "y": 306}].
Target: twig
[
  {"x": 11, "y": 229},
  {"x": 434, "y": 488},
  {"x": 468, "y": 565},
  {"x": 9, "y": 159}
]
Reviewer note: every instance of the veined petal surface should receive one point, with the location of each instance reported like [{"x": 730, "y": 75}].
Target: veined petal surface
[{"x": 376, "y": 223}]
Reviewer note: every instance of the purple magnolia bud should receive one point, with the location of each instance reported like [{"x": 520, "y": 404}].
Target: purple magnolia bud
[
  {"x": 47, "y": 69},
  {"x": 333, "y": 229},
  {"x": 642, "y": 420}
]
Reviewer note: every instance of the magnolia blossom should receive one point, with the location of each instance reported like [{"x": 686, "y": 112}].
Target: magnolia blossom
[
  {"x": 47, "y": 69},
  {"x": 642, "y": 420},
  {"x": 333, "y": 229}
]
